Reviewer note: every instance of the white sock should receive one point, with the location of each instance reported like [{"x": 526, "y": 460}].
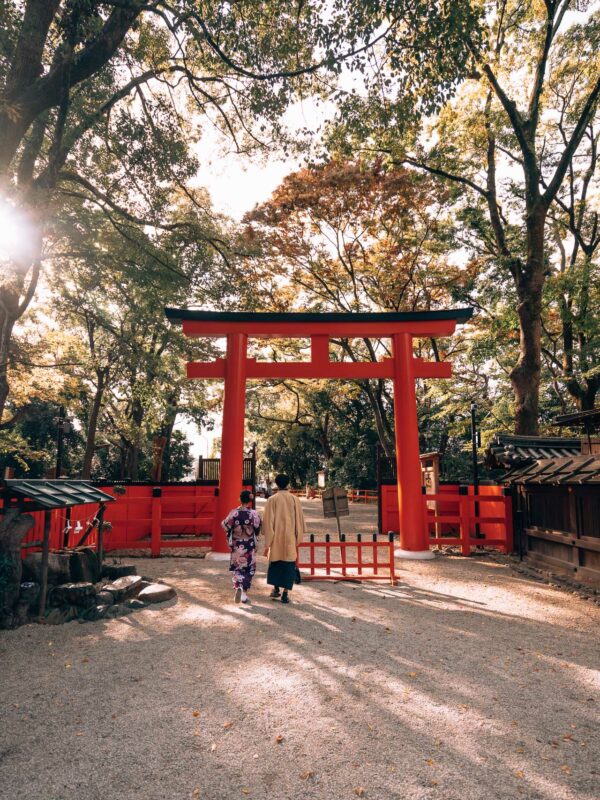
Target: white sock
[{"x": 244, "y": 595}]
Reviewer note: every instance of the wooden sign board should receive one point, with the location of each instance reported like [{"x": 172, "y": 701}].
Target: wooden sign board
[{"x": 335, "y": 503}]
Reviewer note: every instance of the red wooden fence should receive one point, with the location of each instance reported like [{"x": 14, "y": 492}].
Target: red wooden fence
[
  {"x": 143, "y": 517},
  {"x": 457, "y": 516},
  {"x": 181, "y": 515}
]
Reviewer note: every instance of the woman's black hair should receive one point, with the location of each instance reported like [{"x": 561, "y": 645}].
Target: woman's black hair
[{"x": 246, "y": 496}]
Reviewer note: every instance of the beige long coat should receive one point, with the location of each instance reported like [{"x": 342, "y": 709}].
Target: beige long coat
[{"x": 283, "y": 526}]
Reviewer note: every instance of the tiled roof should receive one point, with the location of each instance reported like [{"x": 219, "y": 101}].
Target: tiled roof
[
  {"x": 577, "y": 469},
  {"x": 46, "y": 494},
  {"x": 508, "y": 451}
]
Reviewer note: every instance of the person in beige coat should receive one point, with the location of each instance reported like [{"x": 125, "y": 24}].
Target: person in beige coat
[{"x": 283, "y": 527}]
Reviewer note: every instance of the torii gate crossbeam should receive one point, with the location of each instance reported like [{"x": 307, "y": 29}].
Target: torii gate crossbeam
[{"x": 403, "y": 368}]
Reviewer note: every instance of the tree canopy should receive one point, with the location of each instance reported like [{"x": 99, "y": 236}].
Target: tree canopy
[{"x": 462, "y": 173}]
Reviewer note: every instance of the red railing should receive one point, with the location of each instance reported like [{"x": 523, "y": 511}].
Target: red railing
[
  {"x": 348, "y": 560},
  {"x": 457, "y": 516},
  {"x": 469, "y": 520},
  {"x": 362, "y": 495}
]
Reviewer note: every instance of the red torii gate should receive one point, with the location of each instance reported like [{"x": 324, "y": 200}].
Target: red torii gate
[{"x": 236, "y": 368}]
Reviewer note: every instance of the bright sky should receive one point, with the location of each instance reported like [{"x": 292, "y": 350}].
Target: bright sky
[{"x": 238, "y": 182}]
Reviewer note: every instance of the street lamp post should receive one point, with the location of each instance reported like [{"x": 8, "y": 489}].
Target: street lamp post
[
  {"x": 63, "y": 425},
  {"x": 474, "y": 442}
]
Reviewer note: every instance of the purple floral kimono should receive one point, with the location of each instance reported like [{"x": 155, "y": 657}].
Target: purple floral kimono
[{"x": 242, "y": 526}]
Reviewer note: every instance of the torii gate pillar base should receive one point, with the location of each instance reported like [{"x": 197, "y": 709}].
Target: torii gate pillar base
[{"x": 414, "y": 555}]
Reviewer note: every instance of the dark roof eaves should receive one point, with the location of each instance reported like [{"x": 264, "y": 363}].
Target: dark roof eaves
[{"x": 199, "y": 315}]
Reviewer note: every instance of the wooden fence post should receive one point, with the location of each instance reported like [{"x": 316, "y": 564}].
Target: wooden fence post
[
  {"x": 156, "y": 522},
  {"x": 465, "y": 518},
  {"x": 45, "y": 551},
  {"x": 508, "y": 521}
]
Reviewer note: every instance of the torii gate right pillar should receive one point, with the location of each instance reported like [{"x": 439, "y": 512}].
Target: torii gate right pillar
[{"x": 414, "y": 535}]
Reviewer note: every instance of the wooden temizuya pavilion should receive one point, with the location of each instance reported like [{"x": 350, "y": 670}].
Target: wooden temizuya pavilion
[{"x": 402, "y": 368}]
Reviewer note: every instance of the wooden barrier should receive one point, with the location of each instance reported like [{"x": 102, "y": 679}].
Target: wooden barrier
[{"x": 348, "y": 560}]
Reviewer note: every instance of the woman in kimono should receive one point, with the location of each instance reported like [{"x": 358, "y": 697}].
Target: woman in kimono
[{"x": 242, "y": 526}]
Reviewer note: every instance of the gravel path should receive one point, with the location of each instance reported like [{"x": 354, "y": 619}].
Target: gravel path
[{"x": 465, "y": 681}]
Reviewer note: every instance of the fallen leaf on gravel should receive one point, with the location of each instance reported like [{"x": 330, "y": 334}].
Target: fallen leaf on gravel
[
  {"x": 245, "y": 790},
  {"x": 430, "y": 762},
  {"x": 566, "y": 769},
  {"x": 519, "y": 774},
  {"x": 213, "y": 747},
  {"x": 359, "y": 791},
  {"x": 195, "y": 713},
  {"x": 84, "y": 660},
  {"x": 228, "y": 725},
  {"x": 306, "y": 775},
  {"x": 520, "y": 749},
  {"x": 370, "y": 727},
  {"x": 412, "y": 674},
  {"x": 195, "y": 794},
  {"x": 433, "y": 783},
  {"x": 80, "y": 733},
  {"x": 279, "y": 739}
]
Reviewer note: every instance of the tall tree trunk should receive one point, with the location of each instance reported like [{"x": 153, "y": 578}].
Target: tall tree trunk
[
  {"x": 133, "y": 453},
  {"x": 167, "y": 431},
  {"x": 526, "y": 374},
  {"x": 90, "y": 443},
  {"x": 8, "y": 318},
  {"x": 13, "y": 527}
]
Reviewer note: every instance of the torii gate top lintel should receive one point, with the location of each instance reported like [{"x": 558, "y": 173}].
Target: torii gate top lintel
[
  {"x": 197, "y": 322},
  {"x": 236, "y": 368}
]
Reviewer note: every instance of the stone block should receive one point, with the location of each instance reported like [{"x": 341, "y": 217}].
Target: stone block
[
  {"x": 105, "y": 598},
  {"x": 84, "y": 565},
  {"x": 122, "y": 588},
  {"x": 157, "y": 593},
  {"x": 74, "y": 594},
  {"x": 95, "y": 612},
  {"x": 56, "y": 616},
  {"x": 29, "y": 593},
  {"x": 59, "y": 570},
  {"x": 134, "y": 603}
]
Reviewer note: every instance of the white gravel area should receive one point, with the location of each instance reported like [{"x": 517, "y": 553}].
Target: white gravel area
[{"x": 465, "y": 681}]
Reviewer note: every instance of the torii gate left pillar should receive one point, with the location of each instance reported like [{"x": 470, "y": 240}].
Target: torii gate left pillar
[
  {"x": 232, "y": 435},
  {"x": 402, "y": 368}
]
